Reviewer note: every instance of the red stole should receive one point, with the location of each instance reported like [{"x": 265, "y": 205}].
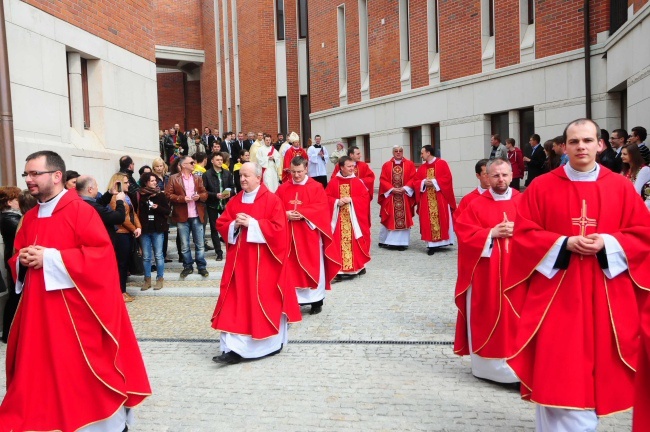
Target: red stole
[
  {"x": 432, "y": 204},
  {"x": 492, "y": 319},
  {"x": 355, "y": 253},
  {"x": 73, "y": 346},
  {"x": 251, "y": 301},
  {"x": 396, "y": 210},
  {"x": 303, "y": 265},
  {"x": 291, "y": 153},
  {"x": 577, "y": 340}
]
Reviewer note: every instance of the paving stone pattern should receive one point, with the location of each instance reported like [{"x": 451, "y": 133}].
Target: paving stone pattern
[{"x": 323, "y": 381}]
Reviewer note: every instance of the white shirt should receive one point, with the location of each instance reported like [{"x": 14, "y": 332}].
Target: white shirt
[{"x": 317, "y": 165}]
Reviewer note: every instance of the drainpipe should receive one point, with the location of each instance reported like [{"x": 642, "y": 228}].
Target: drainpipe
[
  {"x": 586, "y": 11},
  {"x": 7, "y": 154}
]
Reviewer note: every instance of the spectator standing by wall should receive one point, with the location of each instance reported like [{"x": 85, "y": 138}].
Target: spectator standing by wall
[{"x": 153, "y": 212}]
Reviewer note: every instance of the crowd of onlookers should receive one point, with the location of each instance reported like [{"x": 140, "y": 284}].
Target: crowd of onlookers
[{"x": 627, "y": 154}]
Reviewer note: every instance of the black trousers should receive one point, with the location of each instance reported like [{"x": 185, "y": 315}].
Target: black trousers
[
  {"x": 122, "y": 253},
  {"x": 515, "y": 184},
  {"x": 10, "y": 308},
  {"x": 322, "y": 180},
  {"x": 213, "y": 215}
]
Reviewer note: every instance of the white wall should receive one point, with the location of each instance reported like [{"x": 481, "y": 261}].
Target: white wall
[{"x": 122, "y": 95}]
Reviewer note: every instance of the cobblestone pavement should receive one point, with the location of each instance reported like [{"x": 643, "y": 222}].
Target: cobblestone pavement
[{"x": 402, "y": 376}]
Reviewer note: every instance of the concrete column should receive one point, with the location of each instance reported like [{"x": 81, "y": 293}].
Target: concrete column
[
  {"x": 76, "y": 93},
  {"x": 514, "y": 126}
]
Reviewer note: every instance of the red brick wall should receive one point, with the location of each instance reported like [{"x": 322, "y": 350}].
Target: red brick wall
[
  {"x": 177, "y": 23},
  {"x": 419, "y": 40},
  {"x": 638, "y": 4},
  {"x": 383, "y": 41},
  {"x": 506, "y": 32},
  {"x": 257, "y": 65},
  {"x": 171, "y": 100},
  {"x": 209, "y": 102},
  {"x": 460, "y": 39},
  {"x": 352, "y": 53},
  {"x": 559, "y": 25},
  {"x": 131, "y": 28},
  {"x": 193, "y": 105},
  {"x": 323, "y": 61}
]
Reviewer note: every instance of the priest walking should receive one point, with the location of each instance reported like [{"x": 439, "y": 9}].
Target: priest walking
[
  {"x": 486, "y": 322},
  {"x": 292, "y": 152},
  {"x": 253, "y": 309},
  {"x": 581, "y": 251},
  {"x": 361, "y": 170},
  {"x": 314, "y": 258},
  {"x": 434, "y": 194},
  {"x": 350, "y": 201},
  {"x": 271, "y": 162},
  {"x": 396, "y": 200}
]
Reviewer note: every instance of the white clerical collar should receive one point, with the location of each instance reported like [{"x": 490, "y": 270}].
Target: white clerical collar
[
  {"x": 580, "y": 176},
  {"x": 302, "y": 183},
  {"x": 46, "y": 209},
  {"x": 398, "y": 162},
  {"x": 432, "y": 160},
  {"x": 350, "y": 176},
  {"x": 480, "y": 189},
  {"x": 249, "y": 197},
  {"x": 505, "y": 197}
]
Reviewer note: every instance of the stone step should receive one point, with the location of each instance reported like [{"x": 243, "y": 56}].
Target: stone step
[
  {"x": 176, "y": 276},
  {"x": 174, "y": 291}
]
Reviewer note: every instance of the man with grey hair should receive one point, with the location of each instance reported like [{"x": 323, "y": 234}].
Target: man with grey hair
[
  {"x": 396, "y": 201},
  {"x": 485, "y": 320},
  {"x": 255, "y": 304},
  {"x": 87, "y": 190}
]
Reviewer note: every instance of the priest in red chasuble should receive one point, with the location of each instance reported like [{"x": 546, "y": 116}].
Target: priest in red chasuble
[
  {"x": 361, "y": 170},
  {"x": 396, "y": 200},
  {"x": 581, "y": 242},
  {"x": 72, "y": 357},
  {"x": 254, "y": 308},
  {"x": 292, "y": 152},
  {"x": 349, "y": 198},
  {"x": 486, "y": 321},
  {"x": 641, "y": 420},
  {"x": 483, "y": 184},
  {"x": 314, "y": 258},
  {"x": 434, "y": 193}
]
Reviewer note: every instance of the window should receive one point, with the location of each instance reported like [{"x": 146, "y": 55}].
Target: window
[
  {"x": 350, "y": 141},
  {"x": 491, "y": 16},
  {"x": 415, "y": 138},
  {"x": 302, "y": 19},
  {"x": 527, "y": 128},
  {"x": 500, "y": 125},
  {"x": 435, "y": 138},
  {"x": 531, "y": 11},
  {"x": 404, "y": 30},
  {"x": 279, "y": 19},
  {"x": 363, "y": 49},
  {"x": 623, "y": 108},
  {"x": 366, "y": 148},
  {"x": 284, "y": 116},
  {"x": 343, "y": 64},
  {"x": 305, "y": 123},
  {"x": 84, "y": 92},
  {"x": 617, "y": 14},
  {"x": 432, "y": 21}
]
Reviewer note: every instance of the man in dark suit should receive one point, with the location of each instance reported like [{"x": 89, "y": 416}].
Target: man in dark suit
[
  {"x": 279, "y": 142},
  {"x": 536, "y": 160},
  {"x": 249, "y": 141},
  {"x": 617, "y": 139},
  {"x": 207, "y": 137}
]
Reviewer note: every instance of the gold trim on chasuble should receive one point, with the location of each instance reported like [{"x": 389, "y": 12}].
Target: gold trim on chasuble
[
  {"x": 398, "y": 199},
  {"x": 432, "y": 200},
  {"x": 346, "y": 230}
]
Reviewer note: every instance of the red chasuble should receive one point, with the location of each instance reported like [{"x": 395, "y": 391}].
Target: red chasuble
[
  {"x": 303, "y": 265},
  {"x": 641, "y": 421},
  {"x": 291, "y": 153},
  {"x": 364, "y": 173},
  {"x": 355, "y": 253},
  {"x": 493, "y": 320},
  {"x": 432, "y": 205},
  {"x": 72, "y": 356},
  {"x": 578, "y": 336},
  {"x": 464, "y": 202},
  {"x": 397, "y": 210},
  {"x": 252, "y": 299}
]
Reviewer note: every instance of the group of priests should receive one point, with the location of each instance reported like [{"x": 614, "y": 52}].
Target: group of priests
[{"x": 552, "y": 284}]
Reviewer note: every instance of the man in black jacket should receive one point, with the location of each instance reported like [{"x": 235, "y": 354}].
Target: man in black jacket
[
  {"x": 219, "y": 184},
  {"x": 536, "y": 160},
  {"x": 126, "y": 167},
  {"x": 87, "y": 190}
]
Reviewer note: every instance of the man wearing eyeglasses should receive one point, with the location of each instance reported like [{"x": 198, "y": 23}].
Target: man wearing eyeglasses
[
  {"x": 71, "y": 324},
  {"x": 617, "y": 139},
  {"x": 184, "y": 191}
]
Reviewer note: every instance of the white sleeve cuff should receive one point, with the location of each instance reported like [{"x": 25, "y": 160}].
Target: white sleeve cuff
[
  {"x": 435, "y": 185},
  {"x": 409, "y": 191},
  {"x": 54, "y": 272},
  {"x": 19, "y": 284},
  {"x": 546, "y": 266},
  {"x": 335, "y": 215},
  {"x": 616, "y": 260},
  {"x": 232, "y": 233},
  {"x": 389, "y": 192},
  {"x": 423, "y": 188},
  {"x": 487, "y": 249},
  {"x": 254, "y": 232}
]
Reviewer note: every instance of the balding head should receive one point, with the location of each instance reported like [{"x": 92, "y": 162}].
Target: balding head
[
  {"x": 250, "y": 175},
  {"x": 86, "y": 186}
]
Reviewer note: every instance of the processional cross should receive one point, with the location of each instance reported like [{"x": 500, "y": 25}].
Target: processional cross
[{"x": 583, "y": 221}]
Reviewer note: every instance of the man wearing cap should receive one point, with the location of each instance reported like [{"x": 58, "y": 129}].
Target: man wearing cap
[{"x": 293, "y": 151}]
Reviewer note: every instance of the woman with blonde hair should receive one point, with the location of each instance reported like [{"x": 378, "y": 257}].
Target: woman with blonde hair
[{"x": 126, "y": 231}]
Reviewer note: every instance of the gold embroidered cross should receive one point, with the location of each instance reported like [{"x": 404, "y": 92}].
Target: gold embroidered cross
[
  {"x": 583, "y": 221},
  {"x": 295, "y": 202}
]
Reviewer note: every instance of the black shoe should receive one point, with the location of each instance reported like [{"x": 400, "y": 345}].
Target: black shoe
[
  {"x": 153, "y": 267},
  {"x": 275, "y": 352},
  {"x": 219, "y": 257},
  {"x": 316, "y": 309},
  {"x": 230, "y": 358},
  {"x": 382, "y": 245},
  {"x": 362, "y": 272},
  {"x": 338, "y": 278},
  {"x": 180, "y": 260},
  {"x": 204, "y": 272},
  {"x": 208, "y": 247},
  {"x": 187, "y": 271},
  {"x": 168, "y": 260},
  {"x": 431, "y": 251},
  {"x": 400, "y": 248}
]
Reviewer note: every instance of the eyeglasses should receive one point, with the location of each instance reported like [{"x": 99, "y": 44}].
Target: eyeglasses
[{"x": 33, "y": 174}]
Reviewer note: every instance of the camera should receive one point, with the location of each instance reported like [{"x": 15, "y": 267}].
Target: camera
[{"x": 118, "y": 186}]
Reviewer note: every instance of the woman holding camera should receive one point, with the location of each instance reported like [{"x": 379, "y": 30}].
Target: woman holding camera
[
  {"x": 153, "y": 211},
  {"x": 124, "y": 233}
]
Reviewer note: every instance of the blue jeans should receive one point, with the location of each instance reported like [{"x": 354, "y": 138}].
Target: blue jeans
[
  {"x": 155, "y": 239},
  {"x": 184, "y": 228}
]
